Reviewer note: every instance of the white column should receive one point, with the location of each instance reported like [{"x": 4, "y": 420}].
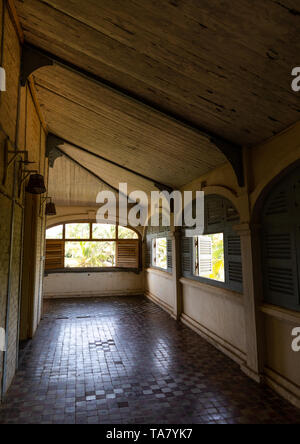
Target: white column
[{"x": 251, "y": 260}]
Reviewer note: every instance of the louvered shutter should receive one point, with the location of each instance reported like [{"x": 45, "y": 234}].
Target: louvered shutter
[
  {"x": 169, "y": 255},
  {"x": 205, "y": 255},
  {"x": 281, "y": 244},
  {"x": 148, "y": 252},
  {"x": 233, "y": 260},
  {"x": 280, "y": 268},
  {"x": 54, "y": 254},
  {"x": 187, "y": 256},
  {"x": 128, "y": 253}
]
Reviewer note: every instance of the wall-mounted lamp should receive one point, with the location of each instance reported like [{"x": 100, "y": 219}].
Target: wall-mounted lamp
[
  {"x": 50, "y": 209},
  {"x": 10, "y": 155},
  {"x": 36, "y": 184}
]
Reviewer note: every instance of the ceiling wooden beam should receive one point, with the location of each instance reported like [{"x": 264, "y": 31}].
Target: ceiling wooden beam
[
  {"x": 15, "y": 19},
  {"x": 34, "y": 58},
  {"x": 157, "y": 184},
  {"x": 53, "y": 152}
]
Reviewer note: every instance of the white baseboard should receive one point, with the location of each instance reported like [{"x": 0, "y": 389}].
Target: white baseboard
[
  {"x": 252, "y": 374},
  {"x": 93, "y": 294},
  {"x": 166, "y": 307},
  {"x": 228, "y": 349},
  {"x": 283, "y": 386}
]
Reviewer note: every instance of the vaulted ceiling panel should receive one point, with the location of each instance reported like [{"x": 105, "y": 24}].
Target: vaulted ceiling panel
[
  {"x": 109, "y": 173},
  {"x": 110, "y": 125},
  {"x": 69, "y": 184}
]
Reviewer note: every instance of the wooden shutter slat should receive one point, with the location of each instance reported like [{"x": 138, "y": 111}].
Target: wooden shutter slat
[
  {"x": 187, "y": 256},
  {"x": 148, "y": 252},
  {"x": 169, "y": 255},
  {"x": 233, "y": 260},
  {"x": 128, "y": 254},
  {"x": 205, "y": 255},
  {"x": 280, "y": 267},
  {"x": 54, "y": 254}
]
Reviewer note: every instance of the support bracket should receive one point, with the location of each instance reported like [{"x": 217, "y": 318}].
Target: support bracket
[
  {"x": 42, "y": 202},
  {"x": 8, "y": 161},
  {"x": 31, "y": 61},
  {"x": 234, "y": 155},
  {"x": 162, "y": 187},
  {"x": 52, "y": 148}
]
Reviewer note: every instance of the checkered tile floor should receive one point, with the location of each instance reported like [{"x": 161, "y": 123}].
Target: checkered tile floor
[{"x": 124, "y": 360}]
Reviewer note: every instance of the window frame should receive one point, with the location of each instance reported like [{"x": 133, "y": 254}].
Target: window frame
[
  {"x": 116, "y": 239},
  {"x": 196, "y": 258},
  {"x": 154, "y": 252},
  {"x": 220, "y": 218}
]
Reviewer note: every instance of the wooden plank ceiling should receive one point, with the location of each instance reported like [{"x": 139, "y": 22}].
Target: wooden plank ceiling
[
  {"x": 222, "y": 65},
  {"x": 69, "y": 184}
]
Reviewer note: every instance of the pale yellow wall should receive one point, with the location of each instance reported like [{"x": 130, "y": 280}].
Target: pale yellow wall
[
  {"x": 92, "y": 284},
  {"x": 159, "y": 284},
  {"x": 219, "y": 311},
  {"x": 279, "y": 354},
  {"x": 271, "y": 158},
  {"x": 24, "y": 131},
  {"x": 11, "y": 210}
]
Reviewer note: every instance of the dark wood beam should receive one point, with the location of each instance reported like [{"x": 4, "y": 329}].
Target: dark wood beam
[
  {"x": 157, "y": 184},
  {"x": 53, "y": 152}
]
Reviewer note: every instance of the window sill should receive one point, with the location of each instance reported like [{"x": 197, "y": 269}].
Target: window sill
[
  {"x": 93, "y": 270},
  {"x": 159, "y": 271},
  {"x": 283, "y": 314},
  {"x": 213, "y": 287}
]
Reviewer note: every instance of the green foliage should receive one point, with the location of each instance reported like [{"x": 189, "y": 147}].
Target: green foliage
[
  {"x": 104, "y": 231},
  {"x": 217, "y": 257},
  {"x": 90, "y": 254},
  {"x": 78, "y": 231},
  {"x": 161, "y": 253},
  {"x": 126, "y": 233}
]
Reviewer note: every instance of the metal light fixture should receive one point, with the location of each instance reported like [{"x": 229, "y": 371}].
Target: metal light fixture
[
  {"x": 36, "y": 184},
  {"x": 50, "y": 209}
]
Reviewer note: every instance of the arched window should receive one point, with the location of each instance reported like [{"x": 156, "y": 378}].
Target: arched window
[
  {"x": 87, "y": 245},
  {"x": 215, "y": 257},
  {"x": 281, "y": 243}
]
